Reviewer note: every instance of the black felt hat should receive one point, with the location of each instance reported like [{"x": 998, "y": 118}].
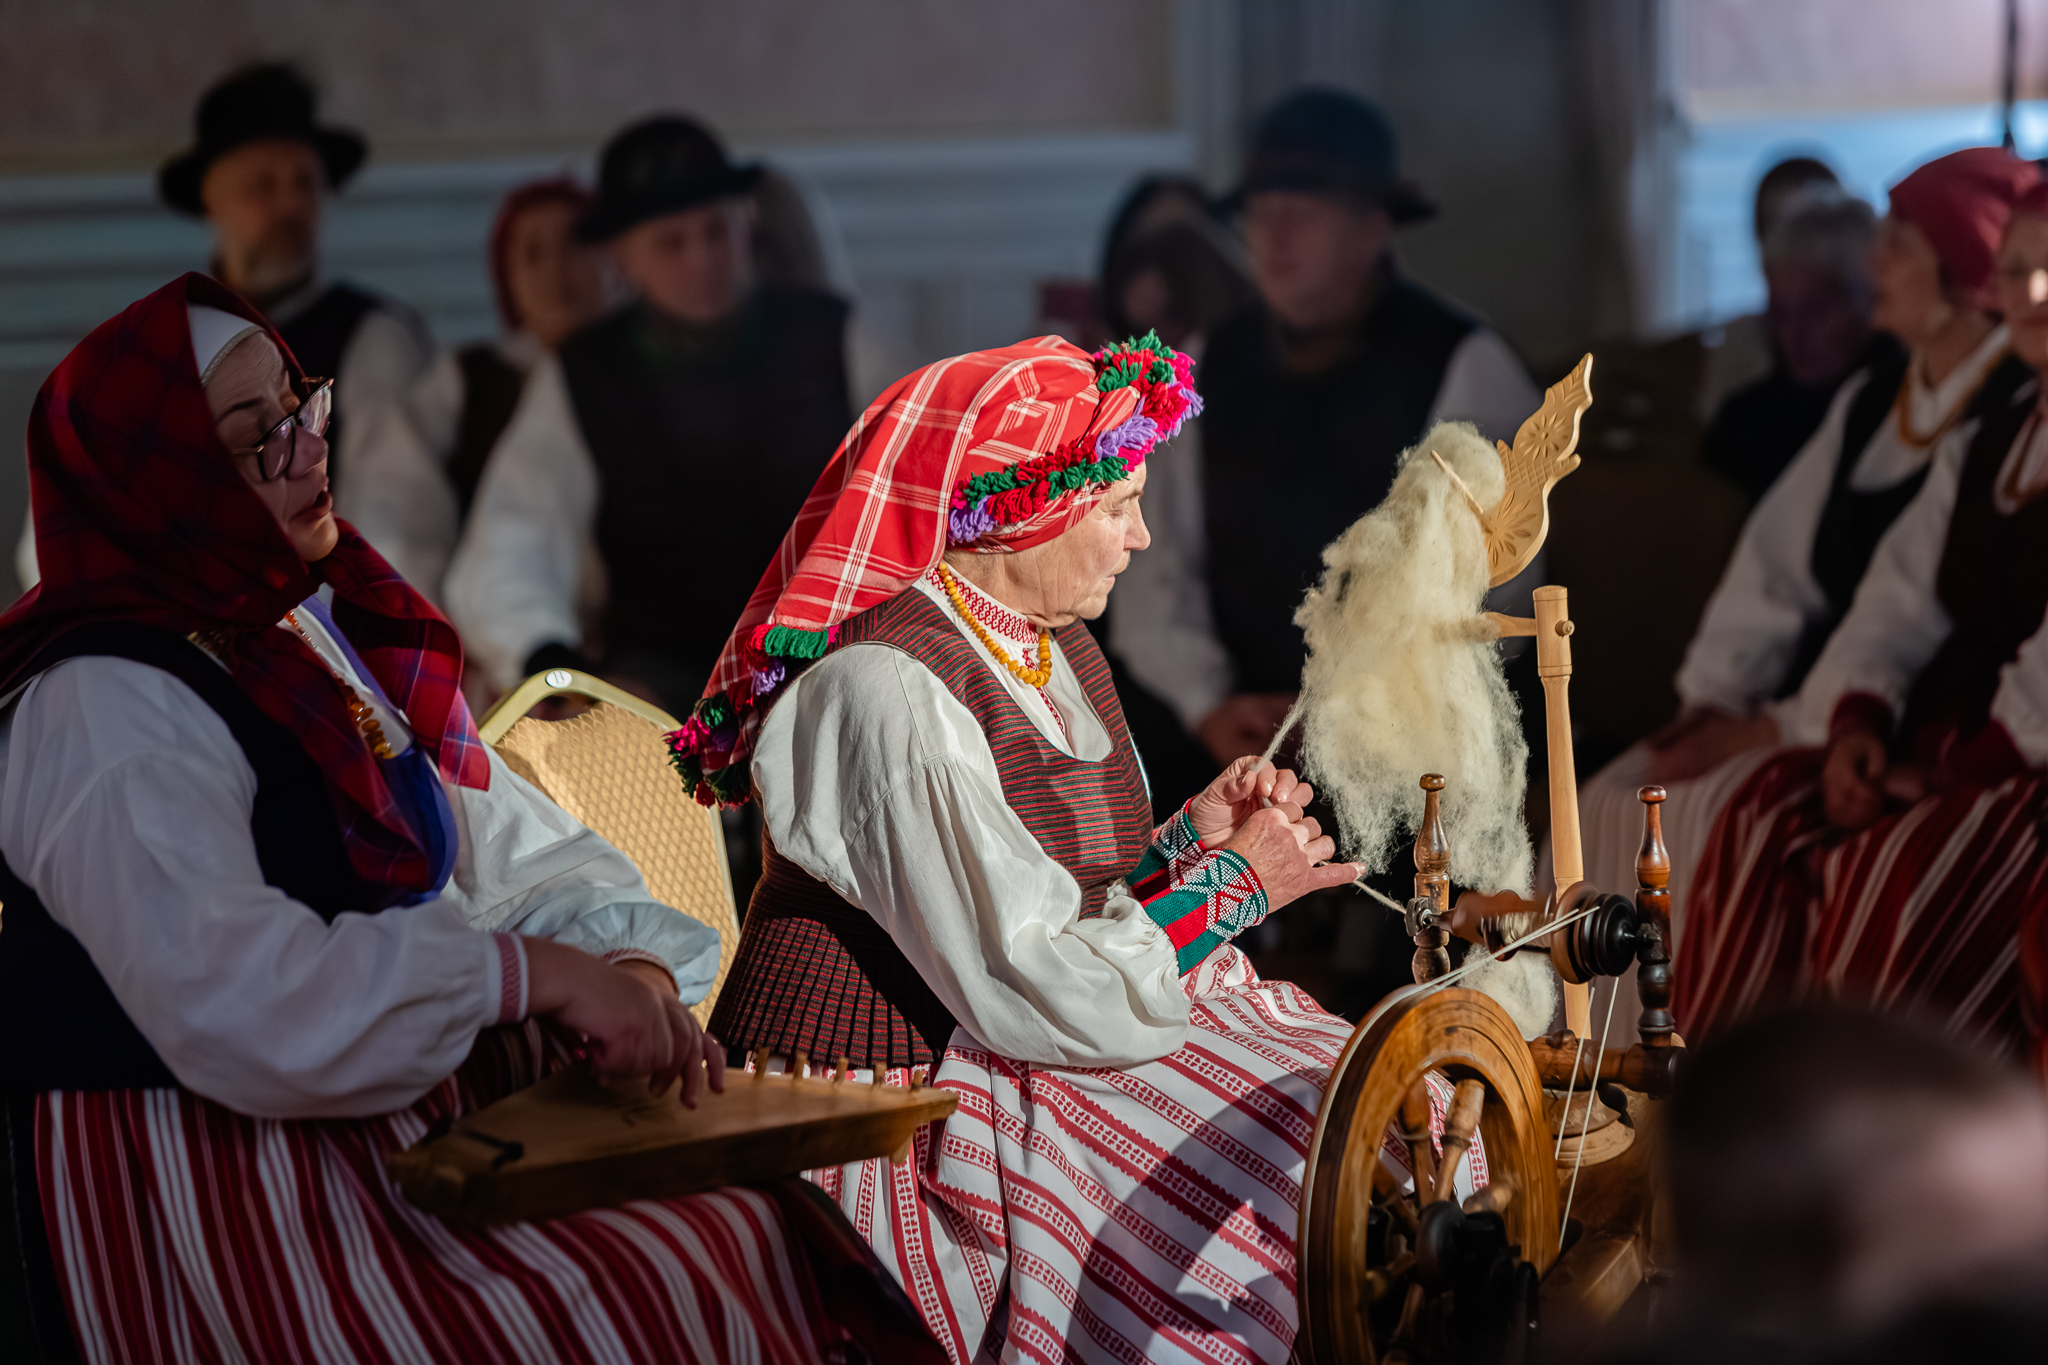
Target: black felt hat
[
  {"x": 658, "y": 166},
  {"x": 258, "y": 102},
  {"x": 1325, "y": 141}
]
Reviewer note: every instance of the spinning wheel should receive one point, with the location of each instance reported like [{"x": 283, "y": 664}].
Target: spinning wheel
[{"x": 1383, "y": 1279}]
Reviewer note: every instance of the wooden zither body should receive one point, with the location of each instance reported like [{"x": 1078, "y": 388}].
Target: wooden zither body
[{"x": 568, "y": 1143}]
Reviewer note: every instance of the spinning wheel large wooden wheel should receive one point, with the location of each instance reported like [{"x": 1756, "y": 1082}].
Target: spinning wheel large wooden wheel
[{"x": 1378, "y": 1273}]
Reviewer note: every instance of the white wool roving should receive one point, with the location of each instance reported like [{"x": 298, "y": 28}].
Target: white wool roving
[
  {"x": 1525, "y": 985},
  {"x": 1404, "y": 676}
]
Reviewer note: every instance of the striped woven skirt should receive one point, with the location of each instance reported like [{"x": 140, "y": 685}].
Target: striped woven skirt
[
  {"x": 179, "y": 1231},
  {"x": 1928, "y": 910},
  {"x": 1144, "y": 1213}
]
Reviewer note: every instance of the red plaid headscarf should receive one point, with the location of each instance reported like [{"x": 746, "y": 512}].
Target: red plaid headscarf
[
  {"x": 141, "y": 516},
  {"x": 995, "y": 451}
]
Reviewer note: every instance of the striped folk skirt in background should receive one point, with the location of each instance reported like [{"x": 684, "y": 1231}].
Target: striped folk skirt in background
[
  {"x": 179, "y": 1231},
  {"x": 1931, "y": 909}
]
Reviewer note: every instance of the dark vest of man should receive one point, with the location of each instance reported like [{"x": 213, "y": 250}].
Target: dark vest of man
[
  {"x": 319, "y": 335},
  {"x": 707, "y": 441},
  {"x": 1290, "y": 459}
]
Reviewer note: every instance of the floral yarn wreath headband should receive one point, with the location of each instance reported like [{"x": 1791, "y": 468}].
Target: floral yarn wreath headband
[
  {"x": 713, "y": 747},
  {"x": 984, "y": 504}
]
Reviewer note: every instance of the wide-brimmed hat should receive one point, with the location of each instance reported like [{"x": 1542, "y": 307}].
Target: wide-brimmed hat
[
  {"x": 1323, "y": 141},
  {"x": 258, "y": 102},
  {"x": 661, "y": 165}
]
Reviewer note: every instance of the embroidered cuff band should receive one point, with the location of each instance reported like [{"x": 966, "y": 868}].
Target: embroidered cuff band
[
  {"x": 1215, "y": 901},
  {"x": 513, "y": 979}
]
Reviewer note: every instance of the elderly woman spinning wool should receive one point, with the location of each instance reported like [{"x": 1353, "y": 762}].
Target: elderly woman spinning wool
[
  {"x": 267, "y": 899},
  {"x": 963, "y": 881}
]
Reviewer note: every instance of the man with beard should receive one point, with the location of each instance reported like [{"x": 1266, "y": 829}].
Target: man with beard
[{"x": 260, "y": 172}]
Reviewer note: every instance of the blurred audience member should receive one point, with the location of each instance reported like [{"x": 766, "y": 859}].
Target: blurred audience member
[
  {"x": 414, "y": 481},
  {"x": 1312, "y": 394},
  {"x": 1834, "y": 1174},
  {"x": 1817, "y": 272},
  {"x": 1898, "y": 857},
  {"x": 1743, "y": 351},
  {"x": 260, "y": 173},
  {"x": 713, "y": 388},
  {"x": 1169, "y": 266},
  {"x": 1807, "y": 545}
]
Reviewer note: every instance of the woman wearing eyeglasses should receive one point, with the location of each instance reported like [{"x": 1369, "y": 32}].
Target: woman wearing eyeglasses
[{"x": 267, "y": 899}]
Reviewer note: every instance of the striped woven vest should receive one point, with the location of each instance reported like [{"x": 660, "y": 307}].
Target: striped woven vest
[{"x": 818, "y": 975}]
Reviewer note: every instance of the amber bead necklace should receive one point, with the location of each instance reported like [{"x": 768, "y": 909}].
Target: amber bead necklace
[
  {"x": 1035, "y": 677},
  {"x": 358, "y": 709}
]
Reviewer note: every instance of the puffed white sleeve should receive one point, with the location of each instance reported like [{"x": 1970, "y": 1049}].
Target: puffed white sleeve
[
  {"x": 513, "y": 582},
  {"x": 1895, "y": 622},
  {"x": 2021, "y": 702},
  {"x": 397, "y": 493},
  {"x": 1484, "y": 384},
  {"x": 126, "y": 804},
  {"x": 877, "y": 781},
  {"x": 525, "y": 865},
  {"x": 1753, "y": 623}
]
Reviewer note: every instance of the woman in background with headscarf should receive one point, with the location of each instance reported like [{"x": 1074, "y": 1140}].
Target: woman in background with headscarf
[
  {"x": 268, "y": 899},
  {"x": 410, "y": 490},
  {"x": 1807, "y": 545},
  {"x": 1896, "y": 857}
]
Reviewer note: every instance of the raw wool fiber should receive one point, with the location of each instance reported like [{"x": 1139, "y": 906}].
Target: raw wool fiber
[
  {"x": 1404, "y": 676},
  {"x": 1525, "y": 985}
]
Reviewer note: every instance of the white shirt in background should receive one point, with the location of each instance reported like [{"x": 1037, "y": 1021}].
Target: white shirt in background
[
  {"x": 1897, "y": 623},
  {"x": 398, "y": 492},
  {"x": 1767, "y": 595}
]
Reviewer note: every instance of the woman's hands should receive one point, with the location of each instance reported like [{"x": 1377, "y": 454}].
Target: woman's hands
[
  {"x": 633, "y": 1028},
  {"x": 1238, "y": 792},
  {"x": 1287, "y": 851},
  {"x": 1852, "y": 780}
]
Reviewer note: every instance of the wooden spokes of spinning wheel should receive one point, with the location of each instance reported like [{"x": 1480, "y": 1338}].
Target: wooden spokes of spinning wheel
[{"x": 1379, "y": 1272}]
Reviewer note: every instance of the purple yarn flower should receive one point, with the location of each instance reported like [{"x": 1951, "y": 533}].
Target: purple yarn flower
[
  {"x": 1139, "y": 435},
  {"x": 769, "y": 677},
  {"x": 965, "y": 525},
  {"x": 724, "y": 736}
]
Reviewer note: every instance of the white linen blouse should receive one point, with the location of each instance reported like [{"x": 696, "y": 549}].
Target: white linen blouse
[
  {"x": 876, "y": 780},
  {"x": 1897, "y": 622},
  {"x": 1768, "y": 595},
  {"x": 125, "y": 803}
]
